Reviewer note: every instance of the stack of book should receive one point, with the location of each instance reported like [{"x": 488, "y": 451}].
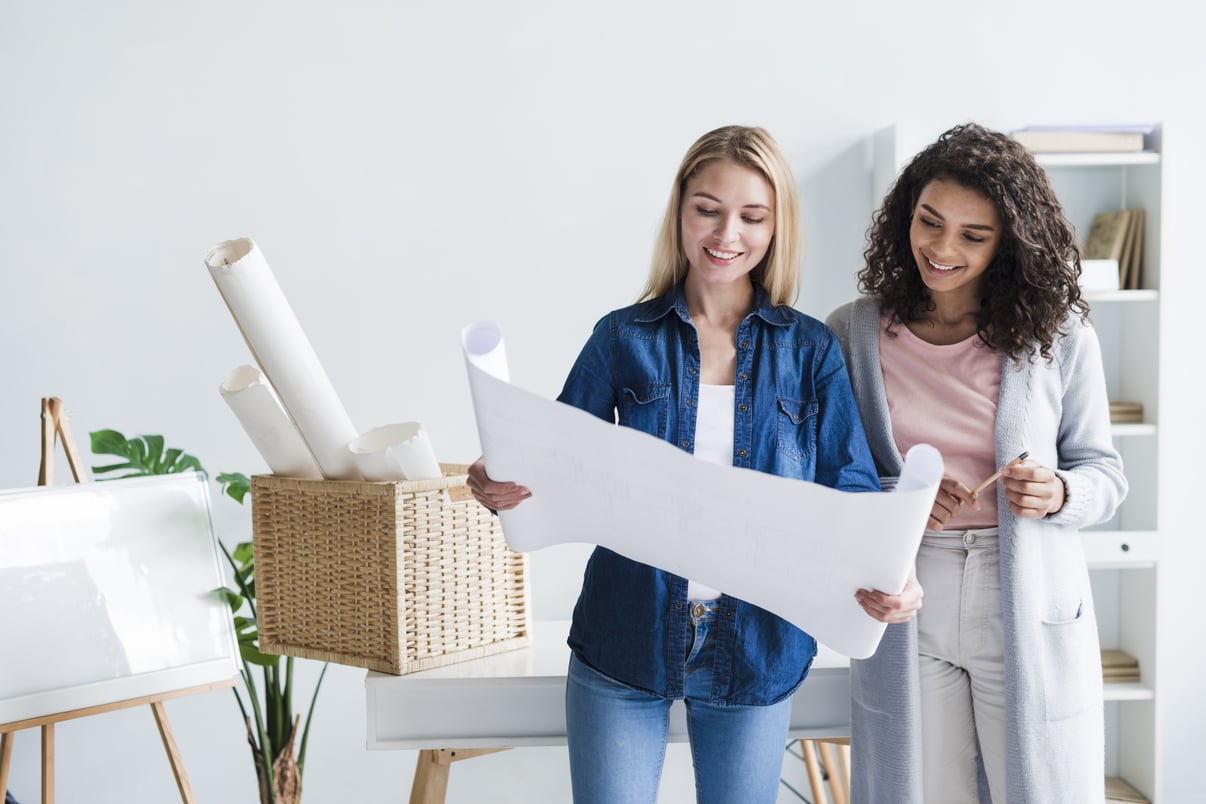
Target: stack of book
[
  {"x": 1118, "y": 666},
  {"x": 1082, "y": 139},
  {"x": 1125, "y": 412},
  {"x": 1117, "y": 791},
  {"x": 1117, "y": 236}
]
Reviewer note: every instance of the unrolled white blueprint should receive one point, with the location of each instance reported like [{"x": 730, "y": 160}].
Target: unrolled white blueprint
[{"x": 794, "y": 548}]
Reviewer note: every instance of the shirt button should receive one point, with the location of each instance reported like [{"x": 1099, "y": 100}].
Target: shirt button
[
  {"x": 744, "y": 376},
  {"x": 686, "y": 443},
  {"x": 743, "y": 408},
  {"x": 745, "y": 344},
  {"x": 690, "y": 371},
  {"x": 741, "y": 452},
  {"x": 690, "y": 402}
]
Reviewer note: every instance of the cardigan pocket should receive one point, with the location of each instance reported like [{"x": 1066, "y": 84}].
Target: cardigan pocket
[{"x": 1071, "y": 663}]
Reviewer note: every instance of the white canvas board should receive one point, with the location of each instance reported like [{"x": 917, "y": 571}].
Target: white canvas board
[{"x": 107, "y": 594}]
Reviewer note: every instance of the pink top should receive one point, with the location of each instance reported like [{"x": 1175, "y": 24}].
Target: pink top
[{"x": 946, "y": 396}]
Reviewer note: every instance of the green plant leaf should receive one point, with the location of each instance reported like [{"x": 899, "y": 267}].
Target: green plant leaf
[
  {"x": 107, "y": 442},
  {"x": 153, "y": 454},
  {"x": 244, "y": 553},
  {"x": 230, "y": 597},
  {"x": 145, "y": 455},
  {"x": 251, "y": 654},
  {"x": 235, "y": 485}
]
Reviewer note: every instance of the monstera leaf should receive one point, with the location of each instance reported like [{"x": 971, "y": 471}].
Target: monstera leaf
[{"x": 144, "y": 455}]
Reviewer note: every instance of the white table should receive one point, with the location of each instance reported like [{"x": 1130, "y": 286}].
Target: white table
[{"x": 517, "y": 698}]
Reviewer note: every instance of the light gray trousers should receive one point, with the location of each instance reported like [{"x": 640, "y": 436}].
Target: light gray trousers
[{"x": 962, "y": 670}]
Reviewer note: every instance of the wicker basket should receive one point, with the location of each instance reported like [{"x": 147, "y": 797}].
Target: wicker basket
[{"x": 397, "y": 577}]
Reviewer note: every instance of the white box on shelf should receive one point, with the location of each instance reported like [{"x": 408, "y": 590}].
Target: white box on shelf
[{"x": 1099, "y": 275}]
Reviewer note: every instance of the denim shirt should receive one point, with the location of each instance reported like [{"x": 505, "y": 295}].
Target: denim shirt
[{"x": 794, "y": 416}]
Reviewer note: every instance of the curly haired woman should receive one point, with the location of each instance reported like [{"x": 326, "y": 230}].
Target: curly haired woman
[{"x": 972, "y": 335}]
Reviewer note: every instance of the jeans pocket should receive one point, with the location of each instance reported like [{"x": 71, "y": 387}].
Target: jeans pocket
[{"x": 1071, "y": 664}]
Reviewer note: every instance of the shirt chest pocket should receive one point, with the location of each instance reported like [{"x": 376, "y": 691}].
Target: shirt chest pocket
[
  {"x": 646, "y": 408},
  {"x": 797, "y": 427}
]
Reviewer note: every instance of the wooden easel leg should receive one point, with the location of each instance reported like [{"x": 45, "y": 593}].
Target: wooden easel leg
[
  {"x": 431, "y": 772},
  {"x": 169, "y": 745},
  {"x": 48, "y": 764},
  {"x": 6, "y": 756}
]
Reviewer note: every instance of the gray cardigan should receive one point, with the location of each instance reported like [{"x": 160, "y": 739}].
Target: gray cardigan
[{"x": 1059, "y": 411}]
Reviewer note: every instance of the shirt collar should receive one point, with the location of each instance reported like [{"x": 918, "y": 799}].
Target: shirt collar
[{"x": 675, "y": 301}]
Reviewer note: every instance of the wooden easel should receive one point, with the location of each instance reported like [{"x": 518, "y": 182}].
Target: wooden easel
[{"x": 54, "y": 425}]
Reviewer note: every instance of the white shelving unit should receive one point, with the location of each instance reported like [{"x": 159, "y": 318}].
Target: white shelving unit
[{"x": 1124, "y": 553}]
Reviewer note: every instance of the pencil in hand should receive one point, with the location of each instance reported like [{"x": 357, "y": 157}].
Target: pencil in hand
[{"x": 995, "y": 475}]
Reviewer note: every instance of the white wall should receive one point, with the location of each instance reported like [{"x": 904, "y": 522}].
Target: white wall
[{"x": 410, "y": 168}]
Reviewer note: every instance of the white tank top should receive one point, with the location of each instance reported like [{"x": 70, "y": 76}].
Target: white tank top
[{"x": 713, "y": 443}]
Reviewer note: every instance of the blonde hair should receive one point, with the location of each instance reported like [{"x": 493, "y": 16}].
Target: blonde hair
[{"x": 754, "y": 148}]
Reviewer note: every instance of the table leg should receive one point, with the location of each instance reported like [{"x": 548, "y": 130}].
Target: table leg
[
  {"x": 48, "y": 764},
  {"x": 816, "y": 779},
  {"x": 6, "y": 757},
  {"x": 430, "y": 785}
]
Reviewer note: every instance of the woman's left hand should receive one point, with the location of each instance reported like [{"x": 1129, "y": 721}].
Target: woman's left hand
[
  {"x": 1033, "y": 490},
  {"x": 892, "y": 608}
]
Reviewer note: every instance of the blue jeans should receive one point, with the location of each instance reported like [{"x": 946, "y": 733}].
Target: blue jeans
[{"x": 617, "y": 736}]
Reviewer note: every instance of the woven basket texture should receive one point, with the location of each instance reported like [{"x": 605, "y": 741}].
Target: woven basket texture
[{"x": 395, "y": 576}]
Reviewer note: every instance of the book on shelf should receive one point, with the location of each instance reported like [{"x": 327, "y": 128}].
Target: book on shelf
[
  {"x": 1117, "y": 235},
  {"x": 1107, "y": 235},
  {"x": 1082, "y": 139},
  {"x": 1132, "y": 253},
  {"x": 1118, "y": 665},
  {"x": 1119, "y": 791},
  {"x": 1124, "y": 412}
]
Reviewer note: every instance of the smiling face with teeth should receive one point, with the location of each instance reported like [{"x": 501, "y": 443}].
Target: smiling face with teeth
[
  {"x": 727, "y": 220},
  {"x": 954, "y": 235}
]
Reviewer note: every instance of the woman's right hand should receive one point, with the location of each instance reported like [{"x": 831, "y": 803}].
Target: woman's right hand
[{"x": 495, "y": 495}]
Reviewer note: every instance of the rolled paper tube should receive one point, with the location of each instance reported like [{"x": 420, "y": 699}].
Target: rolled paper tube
[
  {"x": 483, "y": 346},
  {"x": 256, "y": 406},
  {"x": 284, "y": 354},
  {"x": 923, "y": 468},
  {"x": 395, "y": 452}
]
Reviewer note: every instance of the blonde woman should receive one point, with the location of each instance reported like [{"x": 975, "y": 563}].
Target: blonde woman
[{"x": 712, "y": 359}]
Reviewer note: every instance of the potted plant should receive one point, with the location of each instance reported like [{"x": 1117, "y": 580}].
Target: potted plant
[{"x": 278, "y": 755}]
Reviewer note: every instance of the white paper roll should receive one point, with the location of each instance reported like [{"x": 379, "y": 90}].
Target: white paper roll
[
  {"x": 273, "y": 433},
  {"x": 923, "y": 468},
  {"x": 483, "y": 345},
  {"x": 284, "y": 353},
  {"x": 399, "y": 451}
]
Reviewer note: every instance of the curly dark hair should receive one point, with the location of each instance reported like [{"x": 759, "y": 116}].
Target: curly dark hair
[{"x": 1032, "y": 283}]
